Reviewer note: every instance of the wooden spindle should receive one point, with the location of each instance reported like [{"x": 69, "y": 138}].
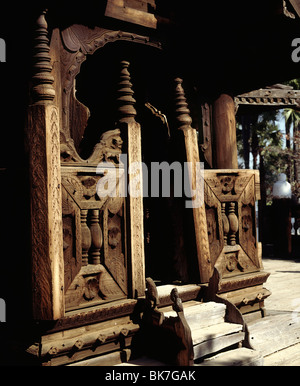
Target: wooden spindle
[
  {"x": 233, "y": 223},
  {"x": 225, "y": 222},
  {"x": 86, "y": 237},
  {"x": 96, "y": 235}
]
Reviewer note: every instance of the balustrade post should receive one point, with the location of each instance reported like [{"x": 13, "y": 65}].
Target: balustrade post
[{"x": 96, "y": 236}]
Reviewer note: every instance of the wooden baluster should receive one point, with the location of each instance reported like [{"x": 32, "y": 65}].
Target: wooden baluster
[
  {"x": 96, "y": 235},
  {"x": 233, "y": 223},
  {"x": 225, "y": 222},
  {"x": 86, "y": 237}
]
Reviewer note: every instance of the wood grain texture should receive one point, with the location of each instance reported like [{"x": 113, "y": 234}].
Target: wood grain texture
[
  {"x": 224, "y": 128},
  {"x": 46, "y": 213},
  {"x": 136, "y": 213},
  {"x": 184, "y": 122}
]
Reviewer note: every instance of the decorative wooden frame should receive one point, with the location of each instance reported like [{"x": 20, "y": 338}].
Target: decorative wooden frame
[
  {"x": 225, "y": 222},
  {"x": 49, "y": 138}
]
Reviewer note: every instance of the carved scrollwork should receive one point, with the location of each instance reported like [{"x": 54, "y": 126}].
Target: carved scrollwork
[
  {"x": 92, "y": 285},
  {"x": 78, "y": 41},
  {"x": 108, "y": 149},
  {"x": 230, "y": 186}
]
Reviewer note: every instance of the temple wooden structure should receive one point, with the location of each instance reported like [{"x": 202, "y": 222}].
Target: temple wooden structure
[{"x": 98, "y": 273}]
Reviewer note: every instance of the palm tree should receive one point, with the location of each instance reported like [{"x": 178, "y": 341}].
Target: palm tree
[
  {"x": 262, "y": 135},
  {"x": 292, "y": 120}
]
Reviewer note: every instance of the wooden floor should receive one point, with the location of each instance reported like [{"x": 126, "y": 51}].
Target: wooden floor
[{"x": 277, "y": 336}]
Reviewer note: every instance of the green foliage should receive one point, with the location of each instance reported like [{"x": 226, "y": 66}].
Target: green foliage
[
  {"x": 266, "y": 145},
  {"x": 273, "y": 152}
]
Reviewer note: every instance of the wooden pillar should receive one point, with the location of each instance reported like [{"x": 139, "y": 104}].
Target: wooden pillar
[
  {"x": 128, "y": 124},
  {"x": 45, "y": 184},
  {"x": 184, "y": 122},
  {"x": 224, "y": 133}
]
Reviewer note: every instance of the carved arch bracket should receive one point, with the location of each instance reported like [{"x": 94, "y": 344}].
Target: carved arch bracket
[{"x": 78, "y": 41}]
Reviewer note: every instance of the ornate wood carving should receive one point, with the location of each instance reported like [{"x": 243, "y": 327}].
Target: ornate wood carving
[
  {"x": 97, "y": 237},
  {"x": 46, "y": 200},
  {"x": 185, "y": 357},
  {"x": 86, "y": 237},
  {"x": 233, "y": 194},
  {"x": 78, "y": 41},
  {"x": 184, "y": 122},
  {"x": 98, "y": 269},
  {"x": 206, "y": 146},
  {"x": 273, "y": 96},
  {"x": 102, "y": 259},
  {"x": 80, "y": 179},
  {"x": 42, "y": 79},
  {"x": 135, "y": 201},
  {"x": 46, "y": 218}
]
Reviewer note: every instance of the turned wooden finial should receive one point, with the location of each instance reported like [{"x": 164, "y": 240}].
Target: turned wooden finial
[
  {"x": 182, "y": 111},
  {"x": 125, "y": 100},
  {"x": 42, "y": 90}
]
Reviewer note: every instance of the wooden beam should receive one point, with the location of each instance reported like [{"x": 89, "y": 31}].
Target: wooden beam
[
  {"x": 118, "y": 9},
  {"x": 277, "y": 97},
  {"x": 296, "y": 5}
]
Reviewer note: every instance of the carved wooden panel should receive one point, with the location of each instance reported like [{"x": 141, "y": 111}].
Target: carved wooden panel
[
  {"x": 230, "y": 197},
  {"x": 94, "y": 231},
  {"x": 97, "y": 234}
]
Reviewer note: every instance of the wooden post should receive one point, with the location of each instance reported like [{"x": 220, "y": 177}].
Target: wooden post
[
  {"x": 45, "y": 184},
  {"x": 224, "y": 133},
  {"x": 184, "y": 122},
  {"x": 126, "y": 121}
]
